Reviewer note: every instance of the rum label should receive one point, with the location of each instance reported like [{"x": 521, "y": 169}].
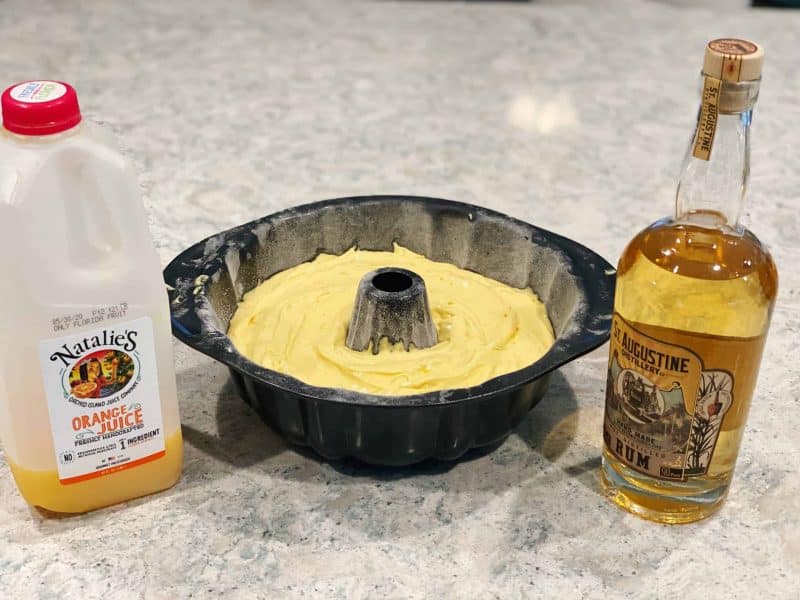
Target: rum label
[
  {"x": 709, "y": 113},
  {"x": 667, "y": 397}
]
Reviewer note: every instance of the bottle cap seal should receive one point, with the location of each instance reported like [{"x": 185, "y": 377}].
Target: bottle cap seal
[
  {"x": 40, "y": 107},
  {"x": 733, "y": 60}
]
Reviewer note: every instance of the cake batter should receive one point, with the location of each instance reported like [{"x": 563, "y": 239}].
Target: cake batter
[{"x": 296, "y": 323}]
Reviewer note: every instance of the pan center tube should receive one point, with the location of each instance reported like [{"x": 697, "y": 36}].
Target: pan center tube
[{"x": 391, "y": 303}]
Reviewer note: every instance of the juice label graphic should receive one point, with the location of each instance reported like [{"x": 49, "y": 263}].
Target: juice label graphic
[
  {"x": 665, "y": 402},
  {"x": 102, "y": 396}
]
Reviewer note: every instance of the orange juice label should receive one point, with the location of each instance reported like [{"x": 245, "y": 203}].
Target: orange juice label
[{"x": 102, "y": 397}]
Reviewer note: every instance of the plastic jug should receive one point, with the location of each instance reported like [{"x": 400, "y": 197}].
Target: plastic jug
[{"x": 88, "y": 403}]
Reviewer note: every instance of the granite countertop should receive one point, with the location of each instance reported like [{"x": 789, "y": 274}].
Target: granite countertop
[{"x": 559, "y": 113}]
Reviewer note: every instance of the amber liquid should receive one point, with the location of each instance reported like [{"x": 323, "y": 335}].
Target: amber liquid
[{"x": 686, "y": 284}]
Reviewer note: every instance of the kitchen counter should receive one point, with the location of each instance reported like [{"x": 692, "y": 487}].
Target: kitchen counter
[{"x": 567, "y": 116}]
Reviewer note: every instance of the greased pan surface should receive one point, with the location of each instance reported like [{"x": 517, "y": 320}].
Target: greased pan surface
[{"x": 207, "y": 280}]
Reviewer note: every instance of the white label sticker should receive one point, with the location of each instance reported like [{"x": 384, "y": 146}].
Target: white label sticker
[
  {"x": 38, "y": 91},
  {"x": 102, "y": 395}
]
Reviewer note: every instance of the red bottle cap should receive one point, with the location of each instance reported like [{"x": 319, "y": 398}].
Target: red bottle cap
[{"x": 40, "y": 107}]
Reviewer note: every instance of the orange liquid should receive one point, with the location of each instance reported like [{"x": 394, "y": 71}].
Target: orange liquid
[{"x": 43, "y": 488}]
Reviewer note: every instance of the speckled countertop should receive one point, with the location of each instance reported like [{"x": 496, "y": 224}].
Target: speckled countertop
[{"x": 568, "y": 116}]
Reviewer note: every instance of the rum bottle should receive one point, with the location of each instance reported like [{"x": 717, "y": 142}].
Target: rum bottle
[{"x": 694, "y": 298}]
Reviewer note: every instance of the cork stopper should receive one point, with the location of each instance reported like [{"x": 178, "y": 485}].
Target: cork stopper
[{"x": 732, "y": 60}]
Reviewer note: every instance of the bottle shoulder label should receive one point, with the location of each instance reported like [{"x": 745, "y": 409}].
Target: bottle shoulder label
[{"x": 707, "y": 122}]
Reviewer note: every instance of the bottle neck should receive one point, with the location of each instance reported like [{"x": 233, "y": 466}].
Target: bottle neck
[
  {"x": 41, "y": 139},
  {"x": 711, "y": 193}
]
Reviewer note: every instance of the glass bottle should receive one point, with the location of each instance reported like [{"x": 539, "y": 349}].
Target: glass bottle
[{"x": 693, "y": 303}]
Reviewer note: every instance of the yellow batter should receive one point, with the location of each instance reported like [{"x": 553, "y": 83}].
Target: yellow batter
[{"x": 296, "y": 323}]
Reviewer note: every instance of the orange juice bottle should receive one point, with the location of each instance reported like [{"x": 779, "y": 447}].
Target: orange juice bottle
[{"x": 88, "y": 404}]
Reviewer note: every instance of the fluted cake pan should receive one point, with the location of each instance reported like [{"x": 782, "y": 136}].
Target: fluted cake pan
[{"x": 207, "y": 281}]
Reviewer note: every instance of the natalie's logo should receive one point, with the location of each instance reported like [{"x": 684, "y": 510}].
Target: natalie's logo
[
  {"x": 101, "y": 374},
  {"x": 125, "y": 340}
]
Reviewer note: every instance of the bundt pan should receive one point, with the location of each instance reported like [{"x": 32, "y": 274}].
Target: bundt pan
[{"x": 206, "y": 282}]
